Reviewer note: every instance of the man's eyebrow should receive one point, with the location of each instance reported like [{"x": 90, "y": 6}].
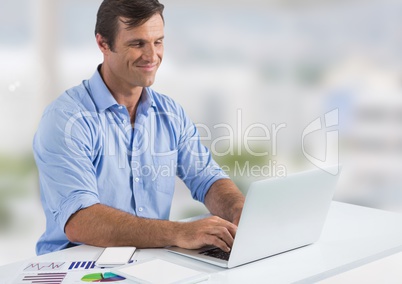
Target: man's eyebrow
[{"x": 139, "y": 40}]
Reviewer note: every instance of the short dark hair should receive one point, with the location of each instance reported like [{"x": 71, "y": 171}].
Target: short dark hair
[{"x": 136, "y": 12}]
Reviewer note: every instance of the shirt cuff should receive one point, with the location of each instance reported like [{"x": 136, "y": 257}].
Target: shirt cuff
[
  {"x": 73, "y": 204},
  {"x": 209, "y": 183}
]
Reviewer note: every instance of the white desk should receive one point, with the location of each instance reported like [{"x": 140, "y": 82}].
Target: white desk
[{"x": 352, "y": 236}]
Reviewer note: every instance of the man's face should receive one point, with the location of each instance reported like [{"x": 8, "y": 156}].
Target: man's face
[{"x": 137, "y": 53}]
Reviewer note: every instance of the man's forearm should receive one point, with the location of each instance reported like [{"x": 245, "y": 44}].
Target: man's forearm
[
  {"x": 104, "y": 226},
  {"x": 100, "y": 225},
  {"x": 225, "y": 200}
]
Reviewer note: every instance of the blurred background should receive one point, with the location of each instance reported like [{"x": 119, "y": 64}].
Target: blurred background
[{"x": 240, "y": 69}]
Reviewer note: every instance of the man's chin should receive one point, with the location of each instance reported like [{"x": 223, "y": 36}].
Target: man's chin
[{"x": 148, "y": 83}]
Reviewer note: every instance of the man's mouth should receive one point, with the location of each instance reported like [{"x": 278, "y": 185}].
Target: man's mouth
[{"x": 148, "y": 67}]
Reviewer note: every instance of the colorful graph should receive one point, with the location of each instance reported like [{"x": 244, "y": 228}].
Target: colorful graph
[
  {"x": 54, "y": 278},
  {"x": 102, "y": 277},
  {"x": 44, "y": 266},
  {"x": 82, "y": 265}
]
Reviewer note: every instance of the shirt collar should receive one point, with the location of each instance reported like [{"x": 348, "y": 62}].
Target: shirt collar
[
  {"x": 101, "y": 95},
  {"x": 146, "y": 101},
  {"x": 103, "y": 99}
]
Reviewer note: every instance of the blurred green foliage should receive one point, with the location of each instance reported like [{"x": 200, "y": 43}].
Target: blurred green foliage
[
  {"x": 16, "y": 165},
  {"x": 240, "y": 160},
  {"x": 15, "y": 173}
]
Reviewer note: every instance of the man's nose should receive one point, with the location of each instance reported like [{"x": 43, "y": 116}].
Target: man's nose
[{"x": 150, "y": 53}]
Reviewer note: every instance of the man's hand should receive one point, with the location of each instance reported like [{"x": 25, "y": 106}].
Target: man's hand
[{"x": 210, "y": 231}]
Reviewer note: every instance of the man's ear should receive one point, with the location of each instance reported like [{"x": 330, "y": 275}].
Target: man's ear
[{"x": 102, "y": 44}]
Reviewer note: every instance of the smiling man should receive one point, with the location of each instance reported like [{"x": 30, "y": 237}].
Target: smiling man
[{"x": 109, "y": 149}]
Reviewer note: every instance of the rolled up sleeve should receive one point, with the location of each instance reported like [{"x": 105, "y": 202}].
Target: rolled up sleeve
[
  {"x": 196, "y": 167},
  {"x": 64, "y": 152}
]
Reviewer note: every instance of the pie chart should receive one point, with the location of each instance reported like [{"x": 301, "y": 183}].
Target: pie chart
[{"x": 102, "y": 277}]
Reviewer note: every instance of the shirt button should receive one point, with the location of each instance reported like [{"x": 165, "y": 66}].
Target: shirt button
[
  {"x": 124, "y": 121},
  {"x": 120, "y": 107},
  {"x": 140, "y": 209},
  {"x": 136, "y": 179}
]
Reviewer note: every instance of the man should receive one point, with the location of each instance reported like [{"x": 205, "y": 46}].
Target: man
[{"x": 108, "y": 150}]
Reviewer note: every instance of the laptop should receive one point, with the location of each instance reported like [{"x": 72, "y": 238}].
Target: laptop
[{"x": 279, "y": 214}]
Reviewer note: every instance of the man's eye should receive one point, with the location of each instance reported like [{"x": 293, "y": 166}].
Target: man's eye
[
  {"x": 138, "y": 44},
  {"x": 159, "y": 42}
]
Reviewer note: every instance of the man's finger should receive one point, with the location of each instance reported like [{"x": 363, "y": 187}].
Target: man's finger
[
  {"x": 218, "y": 242},
  {"x": 230, "y": 226}
]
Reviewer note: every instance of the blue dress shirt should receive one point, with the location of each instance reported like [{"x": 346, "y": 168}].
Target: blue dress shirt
[{"x": 87, "y": 152}]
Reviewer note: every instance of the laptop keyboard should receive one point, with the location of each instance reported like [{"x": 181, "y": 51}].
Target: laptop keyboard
[{"x": 217, "y": 253}]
